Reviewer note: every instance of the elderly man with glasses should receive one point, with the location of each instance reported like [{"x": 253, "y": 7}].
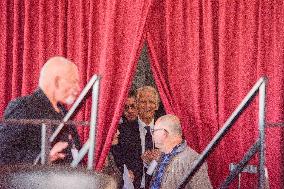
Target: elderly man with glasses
[{"x": 176, "y": 159}]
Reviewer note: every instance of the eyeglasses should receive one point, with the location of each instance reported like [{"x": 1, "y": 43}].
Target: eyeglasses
[{"x": 154, "y": 130}]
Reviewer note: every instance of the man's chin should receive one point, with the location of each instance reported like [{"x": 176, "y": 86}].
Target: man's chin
[
  {"x": 149, "y": 116},
  {"x": 131, "y": 118}
]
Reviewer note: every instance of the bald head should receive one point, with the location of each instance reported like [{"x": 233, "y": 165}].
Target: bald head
[
  {"x": 167, "y": 133},
  {"x": 54, "y": 67},
  {"x": 59, "y": 79},
  {"x": 171, "y": 123}
]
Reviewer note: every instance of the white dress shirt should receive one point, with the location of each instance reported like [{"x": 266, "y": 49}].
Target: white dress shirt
[{"x": 143, "y": 132}]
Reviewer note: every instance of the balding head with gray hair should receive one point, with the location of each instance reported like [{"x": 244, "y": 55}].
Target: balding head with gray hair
[
  {"x": 167, "y": 133},
  {"x": 147, "y": 103},
  {"x": 55, "y": 66},
  {"x": 59, "y": 80},
  {"x": 171, "y": 123},
  {"x": 149, "y": 89}
]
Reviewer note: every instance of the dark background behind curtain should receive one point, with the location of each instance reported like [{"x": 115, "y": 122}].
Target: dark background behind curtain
[{"x": 205, "y": 56}]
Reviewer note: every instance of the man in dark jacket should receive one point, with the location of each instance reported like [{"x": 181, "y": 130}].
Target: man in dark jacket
[
  {"x": 128, "y": 142},
  {"x": 58, "y": 85},
  {"x": 134, "y": 140}
]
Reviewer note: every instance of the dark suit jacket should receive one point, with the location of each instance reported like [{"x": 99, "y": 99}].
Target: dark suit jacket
[
  {"x": 128, "y": 150},
  {"x": 21, "y": 143}
]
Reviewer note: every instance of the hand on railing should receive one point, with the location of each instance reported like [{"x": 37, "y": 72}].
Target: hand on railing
[{"x": 56, "y": 151}]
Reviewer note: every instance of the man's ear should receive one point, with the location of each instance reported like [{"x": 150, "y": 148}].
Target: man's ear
[{"x": 56, "y": 81}]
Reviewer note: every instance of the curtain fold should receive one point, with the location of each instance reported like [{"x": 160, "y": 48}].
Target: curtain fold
[
  {"x": 124, "y": 25},
  {"x": 205, "y": 57}
]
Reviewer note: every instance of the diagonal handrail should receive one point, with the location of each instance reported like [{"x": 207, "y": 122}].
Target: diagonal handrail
[
  {"x": 47, "y": 137},
  {"x": 258, "y": 87},
  {"x": 74, "y": 106},
  {"x": 89, "y": 146}
]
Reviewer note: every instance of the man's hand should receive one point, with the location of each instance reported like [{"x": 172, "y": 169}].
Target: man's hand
[
  {"x": 131, "y": 175},
  {"x": 56, "y": 151},
  {"x": 150, "y": 155}
]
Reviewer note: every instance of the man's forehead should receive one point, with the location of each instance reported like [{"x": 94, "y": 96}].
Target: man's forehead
[
  {"x": 159, "y": 124},
  {"x": 71, "y": 77},
  {"x": 148, "y": 95}
]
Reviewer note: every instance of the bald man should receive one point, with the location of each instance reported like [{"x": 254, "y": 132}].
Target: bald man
[
  {"x": 58, "y": 86},
  {"x": 176, "y": 159}
]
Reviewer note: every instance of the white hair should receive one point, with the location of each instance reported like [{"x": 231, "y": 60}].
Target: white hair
[
  {"x": 44, "y": 72},
  {"x": 172, "y": 122},
  {"x": 148, "y": 89}
]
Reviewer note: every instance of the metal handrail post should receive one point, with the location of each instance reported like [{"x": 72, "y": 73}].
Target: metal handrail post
[
  {"x": 94, "y": 113},
  {"x": 220, "y": 134},
  {"x": 261, "y": 118},
  {"x": 83, "y": 151},
  {"x": 74, "y": 106},
  {"x": 43, "y": 144}
]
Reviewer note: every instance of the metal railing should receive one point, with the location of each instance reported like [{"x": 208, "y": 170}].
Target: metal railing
[
  {"x": 47, "y": 137},
  {"x": 260, "y": 88},
  {"x": 89, "y": 146}
]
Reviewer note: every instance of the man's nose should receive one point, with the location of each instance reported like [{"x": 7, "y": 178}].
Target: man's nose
[
  {"x": 148, "y": 104},
  {"x": 132, "y": 109}
]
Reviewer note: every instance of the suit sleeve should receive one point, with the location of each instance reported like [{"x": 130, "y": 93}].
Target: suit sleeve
[
  {"x": 201, "y": 179},
  {"x": 11, "y": 136},
  {"x": 180, "y": 166}
]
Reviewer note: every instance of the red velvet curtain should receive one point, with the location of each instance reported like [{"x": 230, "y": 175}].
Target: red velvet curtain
[
  {"x": 205, "y": 57},
  {"x": 101, "y": 37}
]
